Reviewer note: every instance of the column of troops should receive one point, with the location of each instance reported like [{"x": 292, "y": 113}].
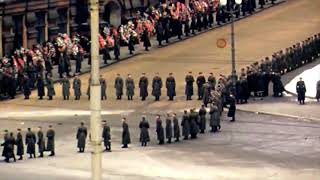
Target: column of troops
[{"x": 31, "y": 140}]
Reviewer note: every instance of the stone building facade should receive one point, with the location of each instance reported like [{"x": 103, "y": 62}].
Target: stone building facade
[{"x": 28, "y": 22}]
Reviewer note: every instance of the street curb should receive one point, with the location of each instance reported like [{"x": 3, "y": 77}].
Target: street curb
[{"x": 309, "y": 119}]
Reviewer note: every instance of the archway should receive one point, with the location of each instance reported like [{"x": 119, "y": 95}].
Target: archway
[{"x": 112, "y": 13}]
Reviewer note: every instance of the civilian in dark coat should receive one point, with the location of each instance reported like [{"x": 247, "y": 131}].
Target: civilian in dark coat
[
  {"x": 185, "y": 125},
  {"x": 146, "y": 39},
  {"x": 77, "y": 87},
  {"x": 144, "y": 131},
  {"x": 81, "y": 137},
  {"x": 171, "y": 87},
  {"x": 156, "y": 87},
  {"x": 31, "y": 143},
  {"x": 203, "y": 120},
  {"x": 301, "y": 91},
  {"x": 9, "y": 146},
  {"x": 232, "y": 108},
  {"x": 50, "y": 141},
  {"x": 200, "y": 82},
  {"x": 159, "y": 130},
  {"x": 125, "y": 134},
  {"x": 20, "y": 145},
  {"x": 176, "y": 127},
  {"x": 130, "y": 87},
  {"x": 143, "y": 85},
  {"x": 41, "y": 143},
  {"x": 193, "y": 119},
  {"x": 168, "y": 128},
  {"x": 40, "y": 87},
  {"x": 106, "y": 135},
  {"x": 26, "y": 87},
  {"x": 189, "y": 86},
  {"x": 118, "y": 85}
]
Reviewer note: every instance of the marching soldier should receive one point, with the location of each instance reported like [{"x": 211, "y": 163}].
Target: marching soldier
[
  {"x": 130, "y": 87},
  {"x": 200, "y": 82},
  {"x": 168, "y": 128},
  {"x": 103, "y": 86},
  {"x": 189, "y": 86},
  {"x": 185, "y": 125},
  {"x": 50, "y": 88},
  {"x": 81, "y": 137},
  {"x": 41, "y": 143},
  {"x": 50, "y": 140},
  {"x": 203, "y": 121},
  {"x": 143, "y": 85},
  {"x": 125, "y": 134},
  {"x": 106, "y": 135},
  {"x": 77, "y": 87},
  {"x": 144, "y": 131},
  {"x": 159, "y": 130},
  {"x": 301, "y": 91},
  {"x": 118, "y": 85},
  {"x": 156, "y": 87},
  {"x": 176, "y": 127},
  {"x": 20, "y": 145},
  {"x": 30, "y": 142},
  {"x": 65, "y": 87},
  {"x": 171, "y": 87}
]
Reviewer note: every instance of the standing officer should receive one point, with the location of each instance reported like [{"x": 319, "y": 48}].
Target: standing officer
[
  {"x": 20, "y": 145},
  {"x": 143, "y": 85},
  {"x": 168, "y": 128},
  {"x": 41, "y": 143},
  {"x": 200, "y": 82},
  {"x": 118, "y": 85},
  {"x": 185, "y": 125},
  {"x": 159, "y": 130},
  {"x": 125, "y": 134},
  {"x": 144, "y": 131},
  {"x": 130, "y": 87},
  {"x": 103, "y": 86},
  {"x": 77, "y": 87},
  {"x": 171, "y": 87},
  {"x": 81, "y": 137},
  {"x": 106, "y": 135},
  {"x": 203, "y": 121},
  {"x": 156, "y": 87},
  {"x": 65, "y": 87},
  {"x": 301, "y": 91},
  {"x": 50, "y": 140},
  {"x": 176, "y": 127},
  {"x": 40, "y": 87},
  {"x": 31, "y": 143},
  {"x": 189, "y": 86}
]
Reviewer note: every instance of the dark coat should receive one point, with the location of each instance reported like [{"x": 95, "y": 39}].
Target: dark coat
[
  {"x": 130, "y": 86},
  {"x": 50, "y": 140},
  {"x": 20, "y": 145},
  {"x": 159, "y": 31},
  {"x": 168, "y": 128},
  {"x": 31, "y": 141},
  {"x": 65, "y": 87},
  {"x": 116, "y": 47},
  {"x": 106, "y": 135},
  {"x": 144, "y": 133},
  {"x": 125, "y": 134},
  {"x": 77, "y": 87},
  {"x": 214, "y": 116},
  {"x": 41, "y": 143},
  {"x": 206, "y": 93},
  {"x": 145, "y": 38},
  {"x": 193, "y": 119},
  {"x": 9, "y": 147},
  {"x": 200, "y": 82},
  {"x": 40, "y": 87},
  {"x": 81, "y": 137},
  {"x": 318, "y": 90},
  {"x": 301, "y": 90},
  {"x": 103, "y": 85},
  {"x": 118, "y": 85},
  {"x": 26, "y": 86},
  {"x": 185, "y": 125},
  {"x": 143, "y": 85},
  {"x": 203, "y": 120},
  {"x": 159, "y": 130},
  {"x": 171, "y": 86},
  {"x": 232, "y": 107},
  {"x": 212, "y": 82},
  {"x": 189, "y": 85},
  {"x": 176, "y": 128},
  {"x": 131, "y": 42},
  {"x": 50, "y": 88},
  {"x": 4, "y": 151},
  {"x": 156, "y": 86}
]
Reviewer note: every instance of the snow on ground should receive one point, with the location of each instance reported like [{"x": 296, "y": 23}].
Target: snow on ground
[{"x": 310, "y": 77}]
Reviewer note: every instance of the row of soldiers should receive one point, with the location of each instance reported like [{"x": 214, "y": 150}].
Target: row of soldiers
[
  {"x": 203, "y": 86},
  {"x": 31, "y": 139}
]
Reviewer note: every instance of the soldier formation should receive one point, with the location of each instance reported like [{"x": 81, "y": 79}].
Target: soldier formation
[{"x": 31, "y": 140}]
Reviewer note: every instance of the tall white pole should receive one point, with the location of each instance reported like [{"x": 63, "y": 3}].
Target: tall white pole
[{"x": 95, "y": 94}]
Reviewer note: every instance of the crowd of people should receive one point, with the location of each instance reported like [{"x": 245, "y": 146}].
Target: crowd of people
[{"x": 21, "y": 70}]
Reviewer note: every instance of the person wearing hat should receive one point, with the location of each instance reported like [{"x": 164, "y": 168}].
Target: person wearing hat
[
  {"x": 143, "y": 85},
  {"x": 301, "y": 90},
  {"x": 130, "y": 87},
  {"x": 189, "y": 86},
  {"x": 50, "y": 87},
  {"x": 125, "y": 133},
  {"x": 214, "y": 118},
  {"x": 76, "y": 85},
  {"x": 26, "y": 86},
  {"x": 193, "y": 119},
  {"x": 118, "y": 85},
  {"x": 81, "y": 137},
  {"x": 106, "y": 135},
  {"x": 171, "y": 87},
  {"x": 203, "y": 120},
  {"x": 159, "y": 130},
  {"x": 131, "y": 42},
  {"x": 9, "y": 146},
  {"x": 168, "y": 128},
  {"x": 5, "y": 137},
  {"x": 41, "y": 143},
  {"x": 156, "y": 87},
  {"x": 65, "y": 87},
  {"x": 201, "y": 80},
  {"x": 212, "y": 81},
  {"x": 232, "y": 108},
  {"x": 50, "y": 140},
  {"x": 40, "y": 87},
  {"x": 185, "y": 125},
  {"x": 20, "y": 145},
  {"x": 31, "y": 143},
  {"x": 103, "y": 86},
  {"x": 144, "y": 131},
  {"x": 176, "y": 127}
]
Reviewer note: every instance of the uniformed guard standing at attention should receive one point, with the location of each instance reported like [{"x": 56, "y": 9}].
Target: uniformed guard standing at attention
[
  {"x": 77, "y": 87},
  {"x": 30, "y": 142},
  {"x": 143, "y": 85},
  {"x": 50, "y": 140},
  {"x": 103, "y": 86},
  {"x": 20, "y": 145},
  {"x": 301, "y": 91},
  {"x": 159, "y": 130},
  {"x": 41, "y": 143},
  {"x": 185, "y": 125},
  {"x": 118, "y": 85},
  {"x": 176, "y": 127},
  {"x": 65, "y": 87},
  {"x": 189, "y": 86},
  {"x": 130, "y": 87},
  {"x": 200, "y": 82},
  {"x": 171, "y": 87},
  {"x": 106, "y": 135},
  {"x": 168, "y": 128},
  {"x": 81, "y": 137},
  {"x": 125, "y": 133},
  {"x": 203, "y": 120},
  {"x": 40, "y": 87},
  {"x": 156, "y": 87},
  {"x": 144, "y": 131},
  {"x": 50, "y": 88}
]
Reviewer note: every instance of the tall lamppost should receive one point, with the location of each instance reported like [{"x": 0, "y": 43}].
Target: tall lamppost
[{"x": 232, "y": 12}]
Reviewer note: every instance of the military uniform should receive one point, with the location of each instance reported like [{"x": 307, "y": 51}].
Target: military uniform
[
  {"x": 106, "y": 135},
  {"x": 81, "y": 137},
  {"x": 118, "y": 85},
  {"x": 77, "y": 88},
  {"x": 125, "y": 135},
  {"x": 156, "y": 87},
  {"x": 144, "y": 132},
  {"x": 189, "y": 87},
  {"x": 171, "y": 87},
  {"x": 130, "y": 88},
  {"x": 65, "y": 88},
  {"x": 143, "y": 85}
]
